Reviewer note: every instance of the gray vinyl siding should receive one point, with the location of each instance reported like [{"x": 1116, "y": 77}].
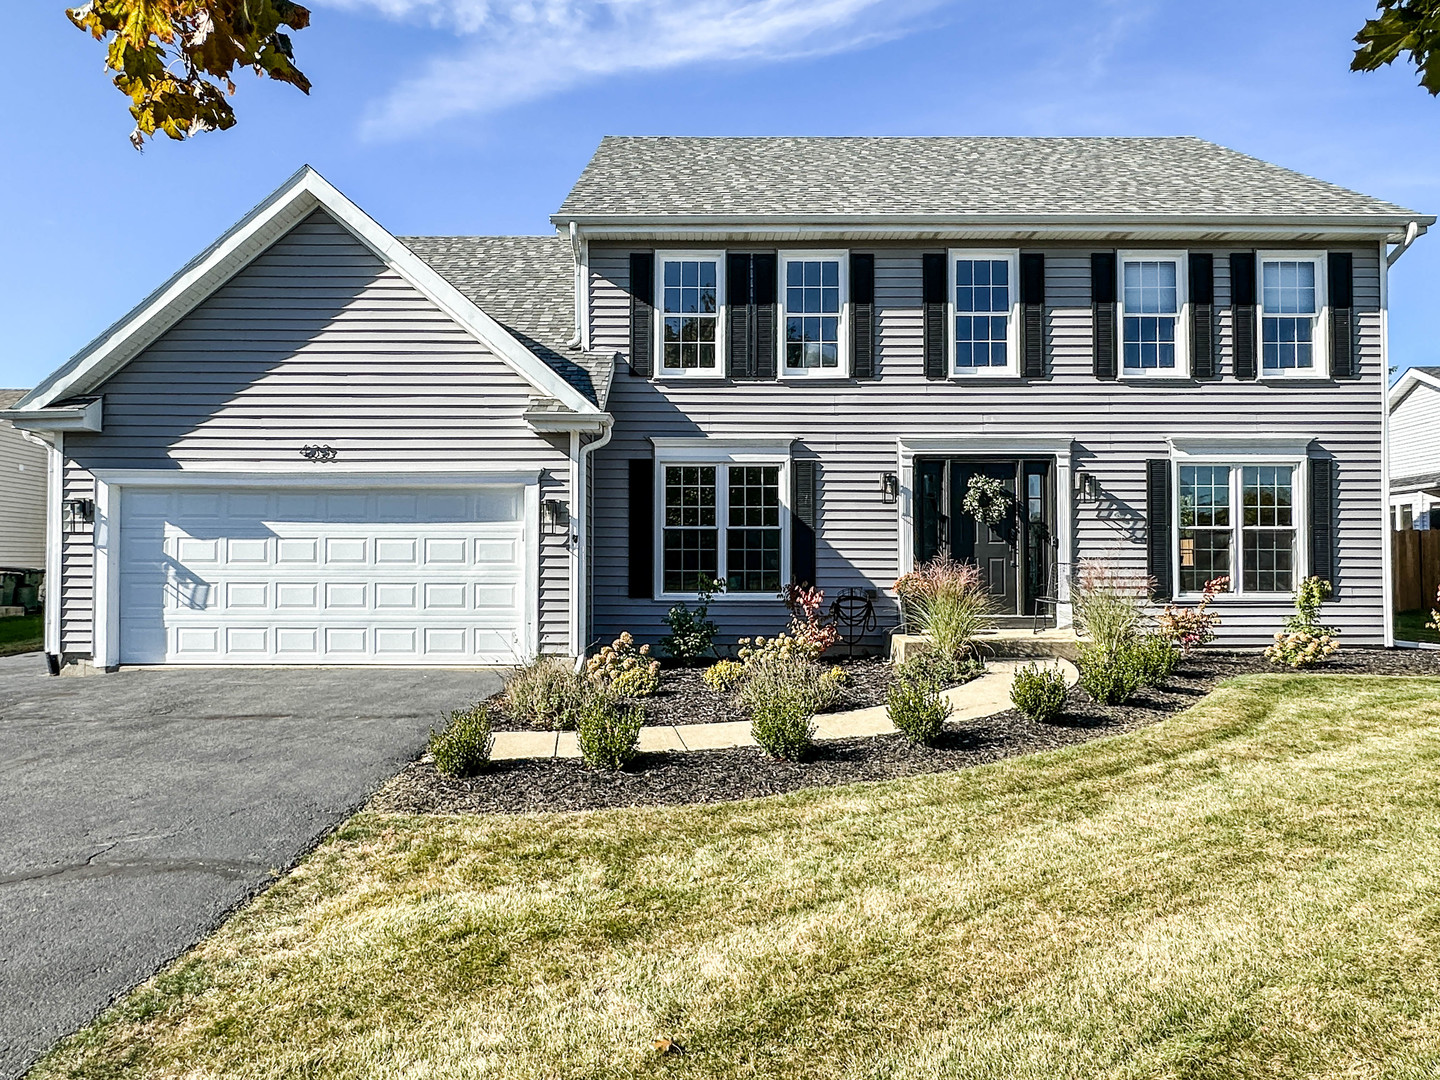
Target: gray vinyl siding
[
  {"x": 852, "y": 429},
  {"x": 77, "y": 569},
  {"x": 24, "y": 480},
  {"x": 1415, "y": 433},
  {"x": 317, "y": 341}
]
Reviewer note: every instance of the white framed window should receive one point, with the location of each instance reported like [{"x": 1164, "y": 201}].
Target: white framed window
[
  {"x": 814, "y": 290},
  {"x": 689, "y": 330},
  {"x": 984, "y": 303},
  {"x": 1242, "y": 520},
  {"x": 724, "y": 517},
  {"x": 1153, "y": 298},
  {"x": 1292, "y": 301}
]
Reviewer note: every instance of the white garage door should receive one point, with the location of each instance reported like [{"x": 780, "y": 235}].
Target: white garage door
[{"x": 247, "y": 576}]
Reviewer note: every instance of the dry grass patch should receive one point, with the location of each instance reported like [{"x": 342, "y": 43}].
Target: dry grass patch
[{"x": 1247, "y": 889}]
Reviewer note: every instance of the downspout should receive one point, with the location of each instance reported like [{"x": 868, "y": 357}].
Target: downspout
[
  {"x": 580, "y": 538},
  {"x": 574, "y": 342},
  {"x": 1412, "y": 233}
]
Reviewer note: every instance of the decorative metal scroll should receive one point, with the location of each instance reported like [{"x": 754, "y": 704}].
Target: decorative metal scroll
[{"x": 853, "y": 613}]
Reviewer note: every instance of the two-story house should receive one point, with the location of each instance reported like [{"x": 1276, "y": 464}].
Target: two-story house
[{"x": 756, "y": 360}]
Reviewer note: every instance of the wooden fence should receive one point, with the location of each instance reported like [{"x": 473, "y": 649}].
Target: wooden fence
[{"x": 1415, "y": 564}]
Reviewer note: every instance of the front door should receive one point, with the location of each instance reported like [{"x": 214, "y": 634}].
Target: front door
[{"x": 990, "y": 547}]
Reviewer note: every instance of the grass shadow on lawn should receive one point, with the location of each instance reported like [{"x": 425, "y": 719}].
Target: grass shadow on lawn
[{"x": 1244, "y": 889}]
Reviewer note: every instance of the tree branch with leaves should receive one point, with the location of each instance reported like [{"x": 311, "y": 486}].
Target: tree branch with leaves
[
  {"x": 174, "y": 58},
  {"x": 1402, "y": 28}
]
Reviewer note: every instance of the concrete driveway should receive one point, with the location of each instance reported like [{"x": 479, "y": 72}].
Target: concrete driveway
[{"x": 137, "y": 809}]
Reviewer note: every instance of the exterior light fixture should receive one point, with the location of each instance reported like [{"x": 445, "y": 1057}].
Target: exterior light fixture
[
  {"x": 75, "y": 514},
  {"x": 889, "y": 489},
  {"x": 322, "y": 454},
  {"x": 1087, "y": 488},
  {"x": 556, "y": 514}
]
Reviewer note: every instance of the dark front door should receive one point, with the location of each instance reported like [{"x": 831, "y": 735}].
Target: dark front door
[{"x": 990, "y": 547}]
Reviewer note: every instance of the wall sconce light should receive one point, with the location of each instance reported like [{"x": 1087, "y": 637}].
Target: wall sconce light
[
  {"x": 322, "y": 454},
  {"x": 556, "y": 514},
  {"x": 1087, "y": 488},
  {"x": 77, "y": 513},
  {"x": 889, "y": 489}
]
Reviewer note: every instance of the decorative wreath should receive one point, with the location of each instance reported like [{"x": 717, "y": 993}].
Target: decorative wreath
[{"x": 988, "y": 500}]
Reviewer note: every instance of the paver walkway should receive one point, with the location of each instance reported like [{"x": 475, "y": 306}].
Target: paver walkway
[{"x": 985, "y": 696}]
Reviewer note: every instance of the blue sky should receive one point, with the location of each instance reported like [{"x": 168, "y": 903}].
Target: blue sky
[{"x": 474, "y": 116}]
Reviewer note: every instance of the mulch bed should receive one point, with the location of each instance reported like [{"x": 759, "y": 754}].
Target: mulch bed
[{"x": 722, "y": 775}]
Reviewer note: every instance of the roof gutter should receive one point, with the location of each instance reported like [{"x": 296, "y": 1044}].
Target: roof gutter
[
  {"x": 81, "y": 417},
  {"x": 1413, "y": 231}
]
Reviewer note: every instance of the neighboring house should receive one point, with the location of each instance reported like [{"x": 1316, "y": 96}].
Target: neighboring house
[
  {"x": 761, "y": 360},
  {"x": 1415, "y": 448},
  {"x": 23, "y": 481}
]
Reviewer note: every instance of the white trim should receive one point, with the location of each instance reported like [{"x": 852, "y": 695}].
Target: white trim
[
  {"x": 1409, "y": 379},
  {"x": 1320, "y": 333},
  {"x": 1011, "y": 370},
  {"x": 1181, "y": 259},
  {"x": 1387, "y": 402},
  {"x": 87, "y": 417},
  {"x": 777, "y": 457},
  {"x": 303, "y": 193},
  {"x": 581, "y": 501},
  {"x": 573, "y": 547},
  {"x": 683, "y": 255},
  {"x": 841, "y": 370},
  {"x": 54, "y": 545},
  {"x": 1000, "y": 445},
  {"x": 399, "y": 475},
  {"x": 1247, "y": 449},
  {"x": 105, "y": 631},
  {"x": 703, "y": 451},
  {"x": 534, "y": 533}
]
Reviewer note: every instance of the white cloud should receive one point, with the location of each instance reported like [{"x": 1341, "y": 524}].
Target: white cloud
[{"x": 519, "y": 50}]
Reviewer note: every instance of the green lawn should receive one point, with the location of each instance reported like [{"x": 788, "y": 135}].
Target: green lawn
[
  {"x": 22, "y": 633},
  {"x": 1410, "y": 626},
  {"x": 1247, "y": 889}
]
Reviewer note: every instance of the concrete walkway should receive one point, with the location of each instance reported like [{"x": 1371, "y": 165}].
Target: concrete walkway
[{"x": 985, "y": 696}]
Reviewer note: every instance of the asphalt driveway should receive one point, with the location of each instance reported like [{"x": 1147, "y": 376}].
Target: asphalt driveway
[{"x": 137, "y": 809}]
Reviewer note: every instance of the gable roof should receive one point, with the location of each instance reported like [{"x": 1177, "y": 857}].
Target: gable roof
[
  {"x": 291, "y": 203},
  {"x": 528, "y": 284},
  {"x": 1409, "y": 379},
  {"x": 950, "y": 177}
]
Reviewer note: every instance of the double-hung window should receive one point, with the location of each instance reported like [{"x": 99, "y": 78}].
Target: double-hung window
[
  {"x": 691, "y": 285},
  {"x": 1292, "y": 296},
  {"x": 722, "y": 521},
  {"x": 1152, "y": 301},
  {"x": 984, "y": 323},
  {"x": 813, "y": 294},
  {"x": 1239, "y": 521}
]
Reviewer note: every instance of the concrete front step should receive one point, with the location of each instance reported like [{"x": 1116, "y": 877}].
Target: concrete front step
[{"x": 985, "y": 696}]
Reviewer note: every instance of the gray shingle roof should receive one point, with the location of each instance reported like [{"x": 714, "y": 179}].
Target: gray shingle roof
[
  {"x": 526, "y": 283},
  {"x": 662, "y": 176},
  {"x": 10, "y": 397}
]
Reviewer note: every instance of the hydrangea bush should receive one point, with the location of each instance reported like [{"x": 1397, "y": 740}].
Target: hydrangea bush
[
  {"x": 625, "y": 668},
  {"x": 1305, "y": 642}
]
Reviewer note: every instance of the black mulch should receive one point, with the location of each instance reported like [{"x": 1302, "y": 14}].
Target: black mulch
[{"x": 722, "y": 775}]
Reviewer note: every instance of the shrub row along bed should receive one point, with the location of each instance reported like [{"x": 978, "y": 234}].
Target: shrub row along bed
[{"x": 722, "y": 775}]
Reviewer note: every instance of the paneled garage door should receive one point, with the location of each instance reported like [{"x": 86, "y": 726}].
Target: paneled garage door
[{"x": 340, "y": 576}]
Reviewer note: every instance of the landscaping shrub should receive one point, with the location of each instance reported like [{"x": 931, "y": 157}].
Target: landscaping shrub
[
  {"x": 1109, "y": 678},
  {"x": 781, "y": 646},
  {"x": 916, "y": 706},
  {"x": 1305, "y": 642},
  {"x": 462, "y": 747},
  {"x": 624, "y": 668},
  {"x": 1434, "y": 623},
  {"x": 944, "y": 668},
  {"x": 609, "y": 731},
  {"x": 946, "y": 600},
  {"x": 1155, "y": 657},
  {"x": 546, "y": 693},
  {"x": 778, "y": 674},
  {"x": 692, "y": 633},
  {"x": 805, "y": 604},
  {"x": 1109, "y": 604},
  {"x": 1039, "y": 693},
  {"x": 1189, "y": 628},
  {"x": 723, "y": 676},
  {"x": 784, "y": 725}
]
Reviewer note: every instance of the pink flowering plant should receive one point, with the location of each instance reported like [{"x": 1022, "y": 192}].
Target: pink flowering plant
[
  {"x": 1190, "y": 628},
  {"x": 805, "y": 603}
]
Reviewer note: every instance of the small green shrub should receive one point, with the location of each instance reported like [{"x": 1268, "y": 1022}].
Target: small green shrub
[
  {"x": 546, "y": 693},
  {"x": 916, "y": 706},
  {"x": 784, "y": 726},
  {"x": 1304, "y": 642},
  {"x": 1155, "y": 657},
  {"x": 609, "y": 732},
  {"x": 462, "y": 747},
  {"x": 625, "y": 668},
  {"x": 1109, "y": 678},
  {"x": 692, "y": 633},
  {"x": 945, "y": 668},
  {"x": 769, "y": 676},
  {"x": 1039, "y": 693},
  {"x": 724, "y": 676}
]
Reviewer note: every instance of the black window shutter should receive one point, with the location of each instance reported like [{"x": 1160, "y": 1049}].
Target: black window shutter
[
  {"x": 932, "y": 296},
  {"x": 642, "y": 313},
  {"x": 1102, "y": 305},
  {"x": 1032, "y": 316},
  {"x": 1322, "y": 518},
  {"x": 1342, "y": 315},
  {"x": 1242, "y": 312},
  {"x": 1157, "y": 516},
  {"x": 862, "y": 316},
  {"x": 739, "y": 318},
  {"x": 642, "y": 528},
  {"x": 802, "y": 522},
  {"x": 1202, "y": 316},
  {"x": 764, "y": 294}
]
